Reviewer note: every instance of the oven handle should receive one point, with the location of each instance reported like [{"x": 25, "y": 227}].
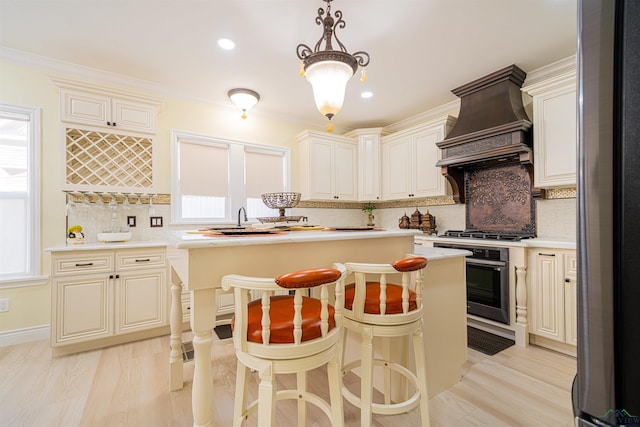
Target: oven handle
[{"x": 483, "y": 262}]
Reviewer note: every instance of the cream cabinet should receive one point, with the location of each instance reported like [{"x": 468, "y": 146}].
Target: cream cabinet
[
  {"x": 555, "y": 132},
  {"x": 107, "y": 294},
  {"x": 553, "y": 276},
  {"x": 409, "y": 161},
  {"x": 369, "y": 168},
  {"x": 328, "y": 166},
  {"x": 91, "y": 105}
]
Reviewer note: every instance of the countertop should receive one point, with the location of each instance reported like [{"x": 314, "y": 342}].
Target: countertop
[
  {"x": 185, "y": 240},
  {"x": 97, "y": 246},
  {"x": 433, "y": 254},
  {"x": 538, "y": 242}
]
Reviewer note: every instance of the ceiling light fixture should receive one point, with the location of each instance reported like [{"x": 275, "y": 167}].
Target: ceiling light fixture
[
  {"x": 329, "y": 70},
  {"x": 244, "y": 99},
  {"x": 226, "y": 44}
]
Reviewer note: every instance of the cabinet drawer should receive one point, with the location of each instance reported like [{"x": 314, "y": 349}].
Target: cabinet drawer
[
  {"x": 82, "y": 263},
  {"x": 140, "y": 259}
]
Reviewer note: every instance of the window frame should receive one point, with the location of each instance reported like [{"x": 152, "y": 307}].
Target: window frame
[
  {"x": 236, "y": 175},
  {"x": 32, "y": 275}
]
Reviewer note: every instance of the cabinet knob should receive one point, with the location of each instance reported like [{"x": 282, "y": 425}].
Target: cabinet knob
[
  {"x": 567, "y": 280},
  {"x": 108, "y": 123}
]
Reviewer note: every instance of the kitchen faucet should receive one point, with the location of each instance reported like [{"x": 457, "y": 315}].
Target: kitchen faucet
[{"x": 242, "y": 209}]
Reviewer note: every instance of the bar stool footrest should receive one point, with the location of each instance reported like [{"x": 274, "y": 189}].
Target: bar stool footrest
[{"x": 381, "y": 408}]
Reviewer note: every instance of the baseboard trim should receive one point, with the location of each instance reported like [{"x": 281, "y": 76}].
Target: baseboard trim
[{"x": 19, "y": 336}]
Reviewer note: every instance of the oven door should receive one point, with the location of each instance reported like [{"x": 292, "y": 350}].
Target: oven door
[{"x": 488, "y": 289}]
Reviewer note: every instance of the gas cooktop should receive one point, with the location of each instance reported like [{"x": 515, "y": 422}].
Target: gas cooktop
[{"x": 491, "y": 235}]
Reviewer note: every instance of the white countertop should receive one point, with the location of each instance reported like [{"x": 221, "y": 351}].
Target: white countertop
[
  {"x": 188, "y": 240},
  {"x": 433, "y": 254},
  {"x": 97, "y": 246},
  {"x": 538, "y": 242}
]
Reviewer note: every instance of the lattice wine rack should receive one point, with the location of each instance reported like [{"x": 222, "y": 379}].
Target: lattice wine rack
[{"x": 102, "y": 161}]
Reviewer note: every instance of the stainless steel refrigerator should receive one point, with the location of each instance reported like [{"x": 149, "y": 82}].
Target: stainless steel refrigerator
[{"x": 607, "y": 386}]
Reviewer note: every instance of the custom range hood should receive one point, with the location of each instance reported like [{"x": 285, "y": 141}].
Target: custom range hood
[{"x": 487, "y": 157}]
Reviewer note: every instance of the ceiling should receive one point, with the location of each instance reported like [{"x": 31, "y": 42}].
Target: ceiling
[{"x": 420, "y": 49}]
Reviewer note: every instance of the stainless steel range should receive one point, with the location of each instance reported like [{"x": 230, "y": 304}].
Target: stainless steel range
[{"x": 487, "y": 281}]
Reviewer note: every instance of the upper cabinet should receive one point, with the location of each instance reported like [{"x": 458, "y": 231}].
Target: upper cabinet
[
  {"x": 108, "y": 138},
  {"x": 369, "y": 181},
  {"x": 328, "y": 167},
  {"x": 90, "y": 105},
  {"x": 554, "y": 130},
  {"x": 409, "y": 161}
]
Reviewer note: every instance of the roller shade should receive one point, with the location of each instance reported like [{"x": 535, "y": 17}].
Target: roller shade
[
  {"x": 264, "y": 173},
  {"x": 204, "y": 170}
]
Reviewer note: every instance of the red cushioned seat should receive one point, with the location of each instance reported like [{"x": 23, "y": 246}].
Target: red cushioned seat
[
  {"x": 372, "y": 299},
  {"x": 281, "y": 313}
]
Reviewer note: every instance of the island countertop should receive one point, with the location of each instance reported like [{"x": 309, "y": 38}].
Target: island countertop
[{"x": 190, "y": 240}]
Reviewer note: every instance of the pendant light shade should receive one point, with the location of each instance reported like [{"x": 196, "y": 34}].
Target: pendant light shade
[
  {"x": 329, "y": 81},
  {"x": 244, "y": 99}
]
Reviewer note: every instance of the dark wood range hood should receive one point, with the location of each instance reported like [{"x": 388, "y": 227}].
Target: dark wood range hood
[{"x": 487, "y": 157}]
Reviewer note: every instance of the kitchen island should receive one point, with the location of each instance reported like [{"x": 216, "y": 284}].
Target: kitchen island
[{"x": 198, "y": 263}]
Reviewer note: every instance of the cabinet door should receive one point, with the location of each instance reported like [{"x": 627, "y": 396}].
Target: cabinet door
[
  {"x": 428, "y": 177},
  {"x": 555, "y": 139},
  {"x": 320, "y": 170},
  {"x": 345, "y": 172},
  {"x": 141, "y": 300},
  {"x": 549, "y": 296},
  {"x": 82, "y": 307},
  {"x": 133, "y": 116},
  {"x": 369, "y": 167},
  {"x": 396, "y": 169},
  {"x": 571, "y": 298},
  {"x": 85, "y": 108}
]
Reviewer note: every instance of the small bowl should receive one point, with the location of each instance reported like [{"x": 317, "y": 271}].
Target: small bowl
[{"x": 114, "y": 237}]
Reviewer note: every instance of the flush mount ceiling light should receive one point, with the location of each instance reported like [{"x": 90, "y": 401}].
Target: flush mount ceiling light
[
  {"x": 329, "y": 70},
  {"x": 244, "y": 99}
]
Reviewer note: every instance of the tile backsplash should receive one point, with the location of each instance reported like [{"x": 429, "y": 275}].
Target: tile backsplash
[{"x": 556, "y": 218}]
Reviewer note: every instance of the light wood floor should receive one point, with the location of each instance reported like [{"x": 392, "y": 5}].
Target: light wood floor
[{"x": 127, "y": 385}]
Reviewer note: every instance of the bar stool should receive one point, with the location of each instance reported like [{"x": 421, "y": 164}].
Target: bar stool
[
  {"x": 385, "y": 310},
  {"x": 285, "y": 334}
]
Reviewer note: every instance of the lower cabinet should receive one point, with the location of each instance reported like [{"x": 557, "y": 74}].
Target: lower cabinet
[
  {"x": 553, "y": 276},
  {"x": 107, "y": 294}
]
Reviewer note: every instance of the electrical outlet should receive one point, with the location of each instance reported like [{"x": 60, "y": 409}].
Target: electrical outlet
[{"x": 4, "y": 305}]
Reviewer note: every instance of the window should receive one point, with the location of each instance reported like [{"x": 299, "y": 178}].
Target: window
[
  {"x": 213, "y": 178},
  {"x": 19, "y": 195}
]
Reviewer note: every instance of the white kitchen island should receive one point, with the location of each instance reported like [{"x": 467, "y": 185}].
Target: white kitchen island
[{"x": 198, "y": 263}]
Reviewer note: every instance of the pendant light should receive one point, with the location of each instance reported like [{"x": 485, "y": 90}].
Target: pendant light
[{"x": 329, "y": 70}]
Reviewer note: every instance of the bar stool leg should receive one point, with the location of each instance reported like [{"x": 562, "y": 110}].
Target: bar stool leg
[
  {"x": 386, "y": 354},
  {"x": 267, "y": 397},
  {"x": 366, "y": 382},
  {"x": 301, "y": 379},
  {"x": 240, "y": 401},
  {"x": 421, "y": 374},
  {"x": 335, "y": 392}
]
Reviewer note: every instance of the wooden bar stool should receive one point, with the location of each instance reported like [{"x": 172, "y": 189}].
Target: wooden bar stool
[
  {"x": 376, "y": 308},
  {"x": 284, "y": 334}
]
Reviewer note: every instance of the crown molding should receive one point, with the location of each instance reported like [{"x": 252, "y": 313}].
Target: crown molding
[
  {"x": 556, "y": 70},
  {"x": 425, "y": 117}
]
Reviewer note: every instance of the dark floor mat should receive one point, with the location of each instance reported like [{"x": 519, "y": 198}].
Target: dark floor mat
[
  {"x": 223, "y": 331},
  {"x": 486, "y": 342}
]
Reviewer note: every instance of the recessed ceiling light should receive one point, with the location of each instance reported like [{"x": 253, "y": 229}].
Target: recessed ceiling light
[
  {"x": 226, "y": 44},
  {"x": 366, "y": 94}
]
